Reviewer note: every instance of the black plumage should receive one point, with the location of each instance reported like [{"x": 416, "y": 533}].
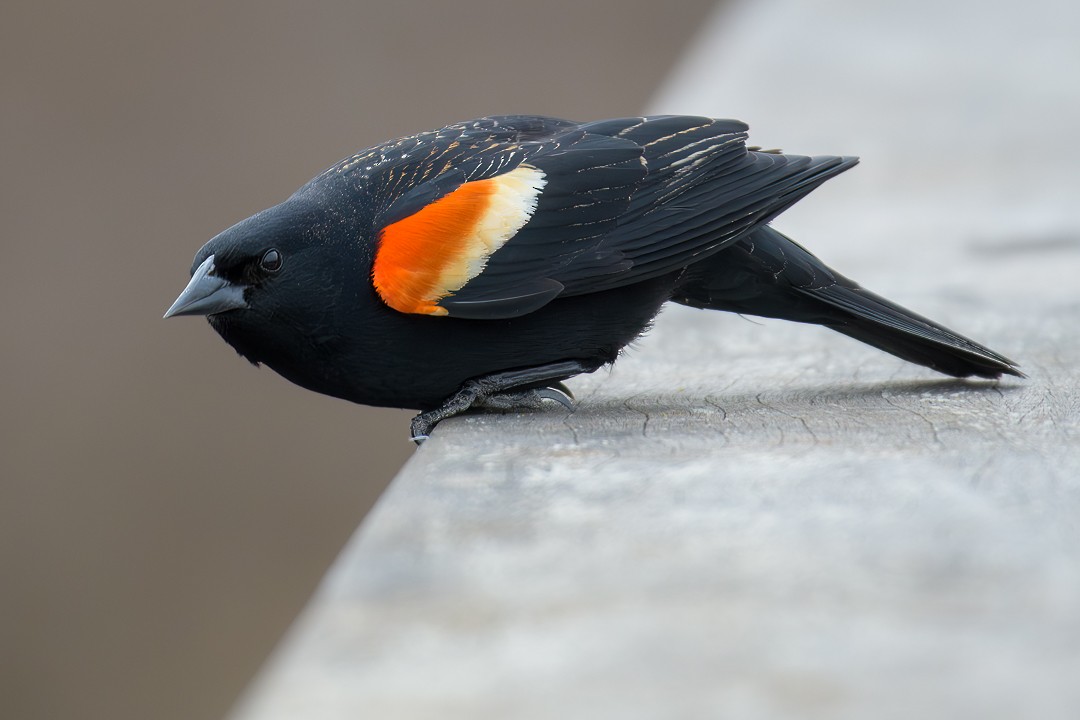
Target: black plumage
[{"x": 545, "y": 247}]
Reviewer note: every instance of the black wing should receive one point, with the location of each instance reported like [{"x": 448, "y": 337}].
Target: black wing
[{"x": 622, "y": 200}]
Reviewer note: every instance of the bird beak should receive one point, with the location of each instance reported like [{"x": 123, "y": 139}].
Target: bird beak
[{"x": 207, "y": 294}]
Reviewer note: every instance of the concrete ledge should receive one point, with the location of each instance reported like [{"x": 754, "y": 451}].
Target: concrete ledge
[{"x": 760, "y": 520}]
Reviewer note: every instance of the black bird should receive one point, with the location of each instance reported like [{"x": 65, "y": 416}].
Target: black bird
[{"x": 486, "y": 262}]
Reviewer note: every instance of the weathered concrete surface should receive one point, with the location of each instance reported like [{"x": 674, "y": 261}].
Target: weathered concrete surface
[{"x": 761, "y": 520}]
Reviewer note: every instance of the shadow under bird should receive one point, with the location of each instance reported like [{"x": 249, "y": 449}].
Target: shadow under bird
[{"x": 484, "y": 263}]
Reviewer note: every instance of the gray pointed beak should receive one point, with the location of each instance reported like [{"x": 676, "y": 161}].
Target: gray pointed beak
[{"x": 207, "y": 294}]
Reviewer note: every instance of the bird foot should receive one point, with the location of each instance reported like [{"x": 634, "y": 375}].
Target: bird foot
[
  {"x": 500, "y": 392},
  {"x": 532, "y": 399}
]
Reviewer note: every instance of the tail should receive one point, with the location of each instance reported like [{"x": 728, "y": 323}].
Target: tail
[{"x": 768, "y": 274}]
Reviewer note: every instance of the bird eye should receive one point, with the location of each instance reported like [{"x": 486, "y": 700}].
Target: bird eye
[{"x": 271, "y": 260}]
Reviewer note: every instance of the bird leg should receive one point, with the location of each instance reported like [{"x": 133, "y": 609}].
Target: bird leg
[{"x": 505, "y": 390}]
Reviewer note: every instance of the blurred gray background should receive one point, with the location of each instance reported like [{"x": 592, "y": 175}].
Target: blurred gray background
[{"x": 165, "y": 508}]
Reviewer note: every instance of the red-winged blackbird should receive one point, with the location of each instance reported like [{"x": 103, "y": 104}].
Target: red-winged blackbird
[{"x": 484, "y": 263}]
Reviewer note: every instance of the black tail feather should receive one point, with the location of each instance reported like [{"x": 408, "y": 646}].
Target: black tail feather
[
  {"x": 872, "y": 319},
  {"x": 768, "y": 274}
]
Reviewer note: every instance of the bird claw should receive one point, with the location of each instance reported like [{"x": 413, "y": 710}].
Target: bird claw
[
  {"x": 560, "y": 394},
  {"x": 560, "y": 387}
]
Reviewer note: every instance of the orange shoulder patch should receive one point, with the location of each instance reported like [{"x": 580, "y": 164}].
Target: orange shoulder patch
[{"x": 436, "y": 250}]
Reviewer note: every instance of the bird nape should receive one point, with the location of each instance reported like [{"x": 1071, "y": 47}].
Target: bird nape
[{"x": 484, "y": 263}]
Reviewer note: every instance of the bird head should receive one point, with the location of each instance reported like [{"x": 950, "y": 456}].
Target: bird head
[{"x": 266, "y": 282}]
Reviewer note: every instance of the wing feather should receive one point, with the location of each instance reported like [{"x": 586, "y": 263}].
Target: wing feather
[{"x": 621, "y": 201}]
